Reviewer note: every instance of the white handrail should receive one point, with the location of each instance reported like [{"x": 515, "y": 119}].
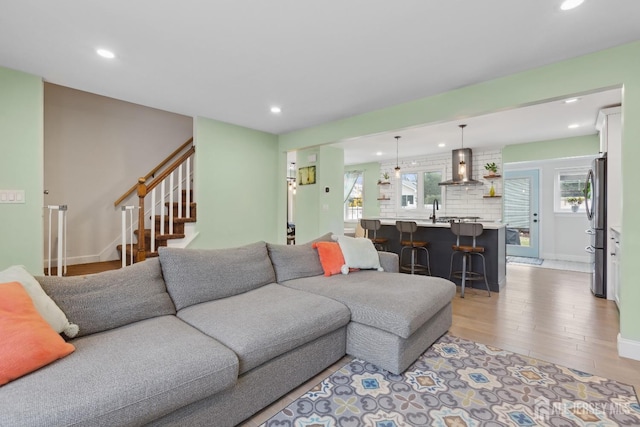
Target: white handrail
[
  {"x": 62, "y": 239},
  {"x": 124, "y": 234}
]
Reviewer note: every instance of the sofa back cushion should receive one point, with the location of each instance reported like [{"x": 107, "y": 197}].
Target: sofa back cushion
[
  {"x": 296, "y": 261},
  {"x": 103, "y": 301},
  {"x": 199, "y": 275}
]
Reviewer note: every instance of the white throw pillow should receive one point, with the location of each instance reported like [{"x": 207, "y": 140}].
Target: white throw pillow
[
  {"x": 43, "y": 303},
  {"x": 358, "y": 252}
]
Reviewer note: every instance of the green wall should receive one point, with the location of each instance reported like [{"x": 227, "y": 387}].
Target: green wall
[
  {"x": 307, "y": 202},
  {"x": 236, "y": 184},
  {"x": 616, "y": 67},
  {"x": 371, "y": 171},
  {"x": 552, "y": 149},
  {"x": 331, "y": 203},
  {"x": 21, "y": 168},
  {"x": 319, "y": 212}
]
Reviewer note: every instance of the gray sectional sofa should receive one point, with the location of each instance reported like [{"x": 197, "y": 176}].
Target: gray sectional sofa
[{"x": 210, "y": 337}]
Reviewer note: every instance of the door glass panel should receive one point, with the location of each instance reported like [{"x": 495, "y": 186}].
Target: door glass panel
[
  {"x": 517, "y": 211},
  {"x": 409, "y": 197}
]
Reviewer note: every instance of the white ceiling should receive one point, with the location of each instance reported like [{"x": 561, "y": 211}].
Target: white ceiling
[
  {"x": 540, "y": 122},
  {"x": 319, "y": 60}
]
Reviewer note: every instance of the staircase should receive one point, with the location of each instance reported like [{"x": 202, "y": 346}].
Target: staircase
[
  {"x": 175, "y": 224},
  {"x": 163, "y": 240}
]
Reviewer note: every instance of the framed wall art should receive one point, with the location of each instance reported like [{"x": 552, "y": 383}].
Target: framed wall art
[{"x": 307, "y": 175}]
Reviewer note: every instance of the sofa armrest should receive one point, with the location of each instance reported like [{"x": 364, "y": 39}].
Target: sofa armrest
[{"x": 389, "y": 262}]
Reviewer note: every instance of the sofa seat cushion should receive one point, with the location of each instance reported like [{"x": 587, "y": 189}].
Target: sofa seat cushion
[
  {"x": 266, "y": 322},
  {"x": 126, "y": 376},
  {"x": 394, "y": 302}
]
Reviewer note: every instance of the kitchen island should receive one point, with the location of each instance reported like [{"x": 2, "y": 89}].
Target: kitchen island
[{"x": 441, "y": 238}]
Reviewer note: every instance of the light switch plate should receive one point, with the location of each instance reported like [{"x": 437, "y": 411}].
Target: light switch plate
[{"x": 12, "y": 196}]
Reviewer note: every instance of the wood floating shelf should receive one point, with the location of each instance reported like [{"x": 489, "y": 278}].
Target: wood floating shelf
[
  {"x": 384, "y": 183},
  {"x": 491, "y": 176},
  {"x": 384, "y": 198},
  {"x": 497, "y": 196}
]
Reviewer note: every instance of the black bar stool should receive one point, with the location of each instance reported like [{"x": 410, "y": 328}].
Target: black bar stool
[
  {"x": 414, "y": 246},
  {"x": 372, "y": 226},
  {"x": 473, "y": 230}
]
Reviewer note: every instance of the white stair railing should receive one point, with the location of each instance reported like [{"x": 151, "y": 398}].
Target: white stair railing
[
  {"x": 161, "y": 191},
  {"x": 123, "y": 255},
  {"x": 62, "y": 239}
]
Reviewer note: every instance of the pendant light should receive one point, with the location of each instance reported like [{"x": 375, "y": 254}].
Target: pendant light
[
  {"x": 462, "y": 166},
  {"x": 397, "y": 168}
]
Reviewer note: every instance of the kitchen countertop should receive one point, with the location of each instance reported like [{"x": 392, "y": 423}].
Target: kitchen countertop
[{"x": 429, "y": 223}]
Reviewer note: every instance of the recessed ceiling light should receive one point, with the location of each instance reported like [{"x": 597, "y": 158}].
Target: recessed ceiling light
[
  {"x": 276, "y": 110},
  {"x": 570, "y": 4},
  {"x": 379, "y": 153},
  {"x": 574, "y": 125},
  {"x": 442, "y": 144},
  {"x": 571, "y": 100},
  {"x": 105, "y": 53}
]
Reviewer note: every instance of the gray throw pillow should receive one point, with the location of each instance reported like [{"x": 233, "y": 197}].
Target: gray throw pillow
[
  {"x": 103, "y": 301},
  {"x": 199, "y": 275},
  {"x": 296, "y": 261}
]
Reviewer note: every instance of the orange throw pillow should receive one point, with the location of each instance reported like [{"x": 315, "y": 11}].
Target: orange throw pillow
[
  {"x": 330, "y": 257},
  {"x": 27, "y": 341}
]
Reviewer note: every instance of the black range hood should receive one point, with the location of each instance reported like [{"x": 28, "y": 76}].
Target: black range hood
[{"x": 461, "y": 168}]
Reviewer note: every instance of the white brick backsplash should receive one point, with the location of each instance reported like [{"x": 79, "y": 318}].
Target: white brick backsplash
[{"x": 457, "y": 200}]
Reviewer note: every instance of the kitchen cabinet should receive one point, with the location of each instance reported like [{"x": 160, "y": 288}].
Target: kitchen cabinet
[
  {"x": 441, "y": 238},
  {"x": 615, "y": 253}
]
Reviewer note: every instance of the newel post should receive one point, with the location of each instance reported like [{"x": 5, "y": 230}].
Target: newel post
[{"x": 142, "y": 193}]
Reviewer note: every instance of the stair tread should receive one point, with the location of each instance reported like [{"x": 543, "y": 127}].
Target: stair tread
[
  {"x": 176, "y": 220},
  {"x": 147, "y": 253}
]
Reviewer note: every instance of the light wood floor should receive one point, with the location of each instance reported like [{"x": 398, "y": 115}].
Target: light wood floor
[{"x": 542, "y": 313}]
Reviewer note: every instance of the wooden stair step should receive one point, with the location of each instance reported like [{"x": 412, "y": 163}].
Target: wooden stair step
[
  {"x": 166, "y": 236},
  {"x": 181, "y": 220},
  {"x": 134, "y": 248}
]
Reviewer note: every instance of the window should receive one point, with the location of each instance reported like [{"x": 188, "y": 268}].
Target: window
[
  {"x": 432, "y": 191},
  {"x": 569, "y": 189},
  {"x": 409, "y": 188},
  {"x": 354, "y": 190},
  {"x": 419, "y": 190}
]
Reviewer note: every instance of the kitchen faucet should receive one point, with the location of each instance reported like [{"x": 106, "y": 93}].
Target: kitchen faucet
[{"x": 436, "y": 206}]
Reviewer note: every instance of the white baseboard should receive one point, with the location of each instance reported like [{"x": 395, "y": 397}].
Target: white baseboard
[
  {"x": 628, "y": 348},
  {"x": 84, "y": 259},
  {"x": 190, "y": 233}
]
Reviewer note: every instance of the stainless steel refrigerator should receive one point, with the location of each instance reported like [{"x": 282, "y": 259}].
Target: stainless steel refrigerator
[{"x": 596, "y": 207}]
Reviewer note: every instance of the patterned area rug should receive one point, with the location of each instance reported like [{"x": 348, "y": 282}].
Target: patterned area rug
[{"x": 460, "y": 383}]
